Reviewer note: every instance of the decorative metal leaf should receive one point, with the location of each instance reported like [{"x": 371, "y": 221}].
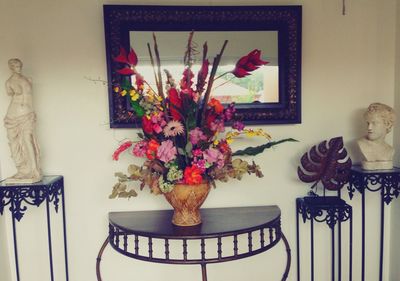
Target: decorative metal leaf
[{"x": 326, "y": 163}]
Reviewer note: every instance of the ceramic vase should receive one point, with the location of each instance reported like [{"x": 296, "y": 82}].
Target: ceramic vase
[{"x": 186, "y": 201}]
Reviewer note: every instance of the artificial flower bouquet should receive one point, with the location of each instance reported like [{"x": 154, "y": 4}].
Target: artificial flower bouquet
[{"x": 182, "y": 140}]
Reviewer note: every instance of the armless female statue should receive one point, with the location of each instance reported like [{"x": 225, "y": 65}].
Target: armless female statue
[
  {"x": 376, "y": 152},
  {"x": 20, "y": 122}
]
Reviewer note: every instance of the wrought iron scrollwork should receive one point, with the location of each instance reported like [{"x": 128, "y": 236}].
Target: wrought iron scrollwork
[
  {"x": 386, "y": 181},
  {"x": 18, "y": 197},
  {"x": 320, "y": 212}
]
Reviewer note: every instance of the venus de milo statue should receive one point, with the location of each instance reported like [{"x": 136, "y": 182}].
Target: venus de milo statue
[{"x": 20, "y": 124}]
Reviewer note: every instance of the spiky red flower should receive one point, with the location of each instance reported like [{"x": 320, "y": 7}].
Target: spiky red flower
[
  {"x": 248, "y": 63},
  {"x": 175, "y": 104},
  {"x": 130, "y": 60},
  {"x": 121, "y": 149}
]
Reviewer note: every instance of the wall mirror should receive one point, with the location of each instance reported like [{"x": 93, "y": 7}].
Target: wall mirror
[{"x": 271, "y": 95}]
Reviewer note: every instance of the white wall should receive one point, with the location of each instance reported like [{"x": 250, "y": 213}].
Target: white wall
[
  {"x": 348, "y": 63},
  {"x": 395, "y": 223}
]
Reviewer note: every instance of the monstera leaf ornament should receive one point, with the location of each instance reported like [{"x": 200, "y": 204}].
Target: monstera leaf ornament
[{"x": 326, "y": 163}]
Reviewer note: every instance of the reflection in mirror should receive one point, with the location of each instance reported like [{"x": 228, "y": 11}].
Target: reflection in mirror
[{"x": 261, "y": 86}]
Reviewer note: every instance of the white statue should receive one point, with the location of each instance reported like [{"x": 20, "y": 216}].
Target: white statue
[
  {"x": 20, "y": 124},
  {"x": 377, "y": 154}
]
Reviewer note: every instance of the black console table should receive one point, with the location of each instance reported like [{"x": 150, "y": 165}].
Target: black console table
[
  {"x": 18, "y": 197},
  {"x": 261, "y": 224},
  {"x": 387, "y": 183}
]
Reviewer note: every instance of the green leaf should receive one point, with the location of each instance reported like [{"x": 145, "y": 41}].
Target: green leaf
[
  {"x": 139, "y": 111},
  {"x": 259, "y": 149},
  {"x": 140, "y": 135},
  {"x": 181, "y": 151},
  {"x": 189, "y": 147}
]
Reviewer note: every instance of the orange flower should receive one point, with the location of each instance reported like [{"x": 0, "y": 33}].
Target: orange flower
[
  {"x": 152, "y": 149},
  {"x": 192, "y": 175},
  {"x": 216, "y": 104}
]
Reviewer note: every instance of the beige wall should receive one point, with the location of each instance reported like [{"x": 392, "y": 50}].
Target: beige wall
[{"x": 348, "y": 63}]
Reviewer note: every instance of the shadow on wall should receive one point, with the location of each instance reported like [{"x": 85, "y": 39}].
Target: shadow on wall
[
  {"x": 358, "y": 126},
  {"x": 4, "y": 262}
]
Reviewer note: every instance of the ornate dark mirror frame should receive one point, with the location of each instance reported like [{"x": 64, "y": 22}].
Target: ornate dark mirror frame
[{"x": 119, "y": 20}]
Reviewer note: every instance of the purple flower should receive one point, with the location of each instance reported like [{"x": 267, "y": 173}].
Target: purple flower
[
  {"x": 196, "y": 135},
  {"x": 213, "y": 155},
  {"x": 166, "y": 152},
  {"x": 217, "y": 126},
  {"x": 229, "y": 112},
  {"x": 238, "y": 125}
]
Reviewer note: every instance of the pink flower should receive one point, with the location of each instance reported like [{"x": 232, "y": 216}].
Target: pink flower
[
  {"x": 197, "y": 152},
  {"x": 238, "y": 126},
  {"x": 213, "y": 155},
  {"x": 140, "y": 148},
  {"x": 121, "y": 149},
  {"x": 196, "y": 135},
  {"x": 217, "y": 126},
  {"x": 201, "y": 164},
  {"x": 166, "y": 152}
]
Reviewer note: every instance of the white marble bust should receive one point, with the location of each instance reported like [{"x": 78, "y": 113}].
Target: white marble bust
[
  {"x": 376, "y": 153},
  {"x": 20, "y": 122}
]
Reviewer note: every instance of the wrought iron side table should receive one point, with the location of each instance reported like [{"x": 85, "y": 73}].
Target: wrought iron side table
[
  {"x": 332, "y": 210},
  {"x": 51, "y": 190},
  {"x": 387, "y": 182},
  {"x": 219, "y": 225}
]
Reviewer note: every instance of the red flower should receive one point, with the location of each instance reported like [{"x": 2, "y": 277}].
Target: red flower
[
  {"x": 175, "y": 104},
  {"x": 192, "y": 175},
  {"x": 186, "y": 81},
  {"x": 152, "y": 147},
  {"x": 202, "y": 76},
  {"x": 147, "y": 125},
  {"x": 210, "y": 118},
  {"x": 248, "y": 63},
  {"x": 121, "y": 149},
  {"x": 130, "y": 60},
  {"x": 216, "y": 104}
]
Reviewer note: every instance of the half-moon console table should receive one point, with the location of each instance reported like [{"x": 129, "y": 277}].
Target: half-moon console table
[{"x": 141, "y": 235}]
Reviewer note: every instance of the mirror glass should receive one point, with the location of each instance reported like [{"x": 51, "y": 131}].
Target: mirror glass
[{"x": 261, "y": 86}]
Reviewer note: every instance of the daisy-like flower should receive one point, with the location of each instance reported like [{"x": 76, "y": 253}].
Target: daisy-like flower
[{"x": 173, "y": 128}]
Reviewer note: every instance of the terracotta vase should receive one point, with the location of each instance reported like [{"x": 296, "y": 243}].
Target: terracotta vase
[{"x": 186, "y": 201}]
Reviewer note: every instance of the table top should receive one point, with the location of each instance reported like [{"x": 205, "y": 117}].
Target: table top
[
  {"x": 359, "y": 169},
  {"x": 46, "y": 180},
  {"x": 216, "y": 221}
]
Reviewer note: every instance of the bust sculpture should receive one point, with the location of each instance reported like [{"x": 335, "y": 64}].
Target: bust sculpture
[
  {"x": 20, "y": 124},
  {"x": 377, "y": 154}
]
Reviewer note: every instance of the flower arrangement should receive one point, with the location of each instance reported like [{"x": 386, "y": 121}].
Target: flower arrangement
[{"x": 182, "y": 140}]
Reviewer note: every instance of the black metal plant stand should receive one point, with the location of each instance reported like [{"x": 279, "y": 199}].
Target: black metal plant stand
[
  {"x": 18, "y": 197},
  {"x": 332, "y": 210},
  {"x": 130, "y": 232},
  {"x": 387, "y": 182}
]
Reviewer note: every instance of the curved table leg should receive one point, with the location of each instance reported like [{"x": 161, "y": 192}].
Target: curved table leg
[
  {"x": 98, "y": 260},
  {"x": 289, "y": 258}
]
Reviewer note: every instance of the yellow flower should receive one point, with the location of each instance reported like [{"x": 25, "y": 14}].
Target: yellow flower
[
  {"x": 229, "y": 140},
  {"x": 216, "y": 142},
  {"x": 116, "y": 89},
  {"x": 123, "y": 93},
  {"x": 134, "y": 95},
  {"x": 250, "y": 133},
  {"x": 159, "y": 98}
]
